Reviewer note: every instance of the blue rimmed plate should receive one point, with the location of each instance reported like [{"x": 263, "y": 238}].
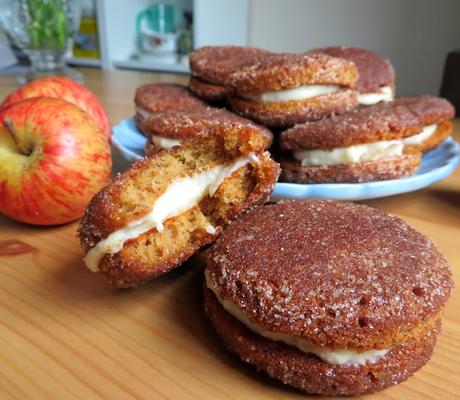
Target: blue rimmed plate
[{"x": 436, "y": 165}]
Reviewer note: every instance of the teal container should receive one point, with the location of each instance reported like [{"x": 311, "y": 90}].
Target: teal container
[{"x": 158, "y": 18}]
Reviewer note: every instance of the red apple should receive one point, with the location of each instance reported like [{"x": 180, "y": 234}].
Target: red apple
[
  {"x": 53, "y": 159},
  {"x": 64, "y": 88}
]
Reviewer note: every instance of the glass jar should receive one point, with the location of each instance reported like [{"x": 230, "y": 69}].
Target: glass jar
[{"x": 44, "y": 29}]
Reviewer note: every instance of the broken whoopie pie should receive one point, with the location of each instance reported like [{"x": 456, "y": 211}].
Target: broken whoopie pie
[{"x": 165, "y": 207}]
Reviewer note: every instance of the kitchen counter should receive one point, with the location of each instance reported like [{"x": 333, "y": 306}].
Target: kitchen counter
[{"x": 65, "y": 333}]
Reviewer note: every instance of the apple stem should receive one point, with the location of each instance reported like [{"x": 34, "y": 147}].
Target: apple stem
[{"x": 10, "y": 127}]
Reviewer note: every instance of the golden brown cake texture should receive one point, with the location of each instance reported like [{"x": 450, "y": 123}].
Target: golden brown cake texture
[{"x": 135, "y": 193}]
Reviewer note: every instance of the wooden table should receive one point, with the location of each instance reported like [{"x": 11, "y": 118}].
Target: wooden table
[{"x": 65, "y": 333}]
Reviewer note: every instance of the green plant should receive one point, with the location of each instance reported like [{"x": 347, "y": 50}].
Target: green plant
[{"x": 48, "y": 26}]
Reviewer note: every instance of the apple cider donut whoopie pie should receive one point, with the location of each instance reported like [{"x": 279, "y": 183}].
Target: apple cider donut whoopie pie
[
  {"x": 170, "y": 128},
  {"x": 158, "y": 213},
  {"x": 156, "y": 97},
  {"x": 378, "y": 142},
  {"x": 332, "y": 298},
  {"x": 286, "y": 89},
  {"x": 211, "y": 65},
  {"x": 376, "y": 81}
]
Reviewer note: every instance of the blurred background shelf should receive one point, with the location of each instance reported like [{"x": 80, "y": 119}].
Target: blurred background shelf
[
  {"x": 289, "y": 26},
  {"x": 84, "y": 62},
  {"x": 155, "y": 66},
  {"x": 215, "y": 22}
]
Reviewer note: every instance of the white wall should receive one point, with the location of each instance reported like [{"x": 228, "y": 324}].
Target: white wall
[
  {"x": 220, "y": 22},
  {"x": 415, "y": 34}
]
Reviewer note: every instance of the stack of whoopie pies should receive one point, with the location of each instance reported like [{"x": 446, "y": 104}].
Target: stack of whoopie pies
[
  {"x": 332, "y": 111},
  {"x": 331, "y": 298}
]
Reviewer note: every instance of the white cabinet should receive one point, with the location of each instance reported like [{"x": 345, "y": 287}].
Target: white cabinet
[{"x": 215, "y": 22}]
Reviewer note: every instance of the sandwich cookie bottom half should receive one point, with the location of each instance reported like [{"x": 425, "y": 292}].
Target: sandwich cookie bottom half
[{"x": 332, "y": 298}]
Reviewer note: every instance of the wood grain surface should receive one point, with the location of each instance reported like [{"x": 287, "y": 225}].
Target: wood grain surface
[{"x": 66, "y": 334}]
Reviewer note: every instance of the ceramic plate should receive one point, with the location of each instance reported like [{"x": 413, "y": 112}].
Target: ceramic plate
[{"x": 436, "y": 165}]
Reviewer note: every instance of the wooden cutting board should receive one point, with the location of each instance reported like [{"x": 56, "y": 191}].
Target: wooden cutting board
[{"x": 65, "y": 333}]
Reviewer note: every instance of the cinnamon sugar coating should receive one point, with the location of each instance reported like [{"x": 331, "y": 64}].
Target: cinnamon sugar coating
[
  {"x": 400, "y": 118},
  {"x": 156, "y": 97},
  {"x": 429, "y": 109},
  {"x": 342, "y": 275},
  {"x": 307, "y": 372},
  {"x": 374, "y": 70},
  {"x": 189, "y": 123},
  {"x": 214, "y": 64},
  {"x": 285, "y": 71},
  {"x": 368, "y": 171}
]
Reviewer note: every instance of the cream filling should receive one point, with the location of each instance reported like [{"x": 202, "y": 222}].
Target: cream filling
[
  {"x": 340, "y": 356},
  {"x": 165, "y": 143},
  {"x": 298, "y": 93},
  {"x": 385, "y": 93},
  {"x": 142, "y": 112},
  {"x": 361, "y": 152},
  {"x": 210, "y": 229},
  {"x": 181, "y": 195}
]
